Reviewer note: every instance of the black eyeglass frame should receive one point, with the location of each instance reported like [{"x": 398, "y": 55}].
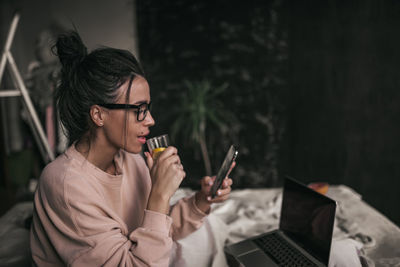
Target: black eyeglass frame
[{"x": 129, "y": 106}]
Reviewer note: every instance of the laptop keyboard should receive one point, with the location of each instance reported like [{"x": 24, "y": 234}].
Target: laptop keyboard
[{"x": 281, "y": 251}]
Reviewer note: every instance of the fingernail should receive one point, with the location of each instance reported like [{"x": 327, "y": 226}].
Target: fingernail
[
  {"x": 219, "y": 193},
  {"x": 210, "y": 182},
  {"x": 209, "y": 198}
]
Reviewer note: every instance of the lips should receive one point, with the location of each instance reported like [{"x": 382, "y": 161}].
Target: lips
[{"x": 142, "y": 138}]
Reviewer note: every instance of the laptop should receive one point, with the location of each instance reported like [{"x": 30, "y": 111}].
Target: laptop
[{"x": 304, "y": 235}]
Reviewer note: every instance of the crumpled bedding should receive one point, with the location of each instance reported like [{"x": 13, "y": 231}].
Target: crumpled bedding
[
  {"x": 14, "y": 236},
  {"x": 251, "y": 212},
  {"x": 246, "y": 213}
]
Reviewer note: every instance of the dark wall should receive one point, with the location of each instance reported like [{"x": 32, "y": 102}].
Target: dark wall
[
  {"x": 314, "y": 85},
  {"x": 344, "y": 112},
  {"x": 242, "y": 44}
]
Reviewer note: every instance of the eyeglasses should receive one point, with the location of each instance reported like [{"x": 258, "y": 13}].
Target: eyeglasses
[{"x": 141, "y": 110}]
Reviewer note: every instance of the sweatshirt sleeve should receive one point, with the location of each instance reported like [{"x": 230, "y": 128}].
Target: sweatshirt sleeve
[
  {"x": 84, "y": 233},
  {"x": 148, "y": 245},
  {"x": 186, "y": 217}
]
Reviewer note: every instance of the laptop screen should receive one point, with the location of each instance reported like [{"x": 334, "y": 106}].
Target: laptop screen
[{"x": 308, "y": 218}]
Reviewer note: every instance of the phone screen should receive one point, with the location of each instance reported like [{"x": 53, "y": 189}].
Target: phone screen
[{"x": 223, "y": 171}]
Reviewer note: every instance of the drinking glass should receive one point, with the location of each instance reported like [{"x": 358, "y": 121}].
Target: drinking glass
[{"x": 157, "y": 144}]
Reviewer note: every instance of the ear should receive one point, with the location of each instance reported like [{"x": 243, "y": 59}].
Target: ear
[{"x": 97, "y": 115}]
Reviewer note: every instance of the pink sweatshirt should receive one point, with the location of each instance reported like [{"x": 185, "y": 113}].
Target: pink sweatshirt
[{"x": 84, "y": 216}]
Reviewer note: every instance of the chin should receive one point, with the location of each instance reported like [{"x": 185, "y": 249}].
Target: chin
[{"x": 135, "y": 149}]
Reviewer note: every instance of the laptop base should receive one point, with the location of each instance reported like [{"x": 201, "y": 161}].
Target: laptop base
[{"x": 254, "y": 258}]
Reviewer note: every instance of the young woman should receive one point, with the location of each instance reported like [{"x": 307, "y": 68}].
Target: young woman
[{"x": 99, "y": 203}]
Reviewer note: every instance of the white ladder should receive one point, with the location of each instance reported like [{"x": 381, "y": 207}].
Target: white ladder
[{"x": 21, "y": 90}]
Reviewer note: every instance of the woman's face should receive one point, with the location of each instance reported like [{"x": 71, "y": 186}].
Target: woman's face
[{"x": 123, "y": 130}]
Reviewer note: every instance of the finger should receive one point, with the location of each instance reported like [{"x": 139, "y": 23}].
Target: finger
[
  {"x": 207, "y": 181},
  {"x": 231, "y": 168},
  {"x": 221, "y": 199},
  {"x": 220, "y": 195},
  {"x": 233, "y": 165},
  {"x": 169, "y": 151},
  {"x": 149, "y": 159},
  {"x": 178, "y": 166},
  {"x": 172, "y": 159},
  {"x": 227, "y": 182},
  {"x": 175, "y": 173},
  {"x": 182, "y": 174},
  {"x": 170, "y": 156},
  {"x": 218, "y": 199},
  {"x": 223, "y": 192},
  {"x": 174, "y": 167}
]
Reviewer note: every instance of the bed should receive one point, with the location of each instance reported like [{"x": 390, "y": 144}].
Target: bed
[{"x": 248, "y": 212}]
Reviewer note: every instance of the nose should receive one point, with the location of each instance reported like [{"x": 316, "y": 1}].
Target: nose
[{"x": 149, "y": 120}]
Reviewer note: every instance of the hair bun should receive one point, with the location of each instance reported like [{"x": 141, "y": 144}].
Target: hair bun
[{"x": 70, "y": 49}]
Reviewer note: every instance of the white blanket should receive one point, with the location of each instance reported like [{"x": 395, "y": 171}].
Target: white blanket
[{"x": 247, "y": 213}]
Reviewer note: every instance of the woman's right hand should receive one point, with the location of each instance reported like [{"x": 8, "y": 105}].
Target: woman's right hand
[{"x": 166, "y": 175}]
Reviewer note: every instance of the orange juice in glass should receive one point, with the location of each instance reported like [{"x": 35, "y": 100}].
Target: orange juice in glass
[{"x": 157, "y": 144}]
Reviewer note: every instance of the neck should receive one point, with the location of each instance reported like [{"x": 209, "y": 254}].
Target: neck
[{"x": 98, "y": 153}]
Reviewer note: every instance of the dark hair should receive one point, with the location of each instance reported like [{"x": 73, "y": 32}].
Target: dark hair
[{"x": 89, "y": 79}]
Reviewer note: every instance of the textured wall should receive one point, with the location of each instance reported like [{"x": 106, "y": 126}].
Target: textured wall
[
  {"x": 334, "y": 94},
  {"x": 240, "y": 43},
  {"x": 344, "y": 111}
]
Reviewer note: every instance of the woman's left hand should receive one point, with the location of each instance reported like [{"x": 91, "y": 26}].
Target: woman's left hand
[{"x": 203, "y": 197}]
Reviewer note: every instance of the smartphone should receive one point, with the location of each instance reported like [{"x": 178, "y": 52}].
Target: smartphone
[{"x": 223, "y": 170}]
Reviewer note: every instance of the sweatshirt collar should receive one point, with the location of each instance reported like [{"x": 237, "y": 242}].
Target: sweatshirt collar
[{"x": 93, "y": 170}]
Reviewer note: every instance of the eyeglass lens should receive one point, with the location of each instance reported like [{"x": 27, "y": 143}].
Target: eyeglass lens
[{"x": 142, "y": 111}]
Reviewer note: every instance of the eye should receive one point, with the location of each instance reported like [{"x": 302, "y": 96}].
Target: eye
[{"x": 143, "y": 107}]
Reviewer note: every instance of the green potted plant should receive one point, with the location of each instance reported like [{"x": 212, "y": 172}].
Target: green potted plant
[{"x": 197, "y": 109}]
